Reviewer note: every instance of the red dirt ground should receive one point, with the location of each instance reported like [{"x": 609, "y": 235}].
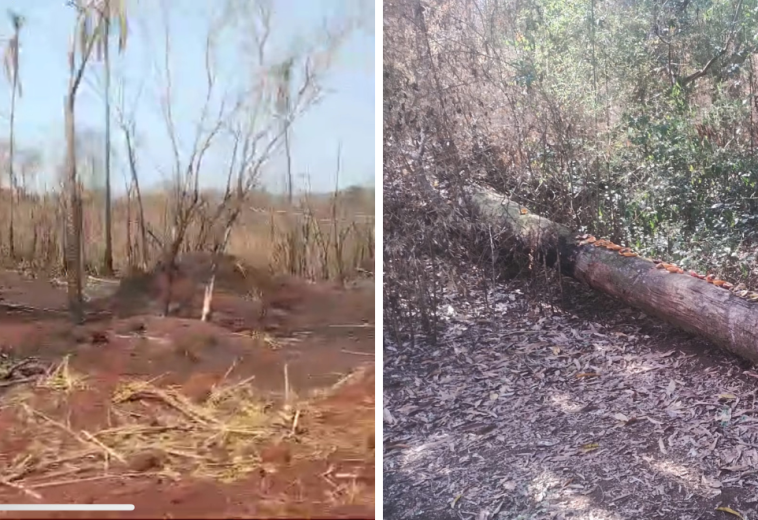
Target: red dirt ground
[{"x": 321, "y": 333}]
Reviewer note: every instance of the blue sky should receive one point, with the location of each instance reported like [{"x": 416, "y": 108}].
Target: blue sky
[{"x": 344, "y": 116}]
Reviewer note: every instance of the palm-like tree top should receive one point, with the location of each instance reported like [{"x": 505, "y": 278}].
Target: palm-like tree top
[{"x": 10, "y": 57}]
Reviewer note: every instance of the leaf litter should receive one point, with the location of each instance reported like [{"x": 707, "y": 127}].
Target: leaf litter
[{"x": 580, "y": 408}]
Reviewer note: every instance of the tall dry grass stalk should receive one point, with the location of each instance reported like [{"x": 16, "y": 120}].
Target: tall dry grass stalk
[{"x": 322, "y": 239}]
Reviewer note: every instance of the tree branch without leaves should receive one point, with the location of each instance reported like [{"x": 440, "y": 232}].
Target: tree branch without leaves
[{"x": 702, "y": 72}]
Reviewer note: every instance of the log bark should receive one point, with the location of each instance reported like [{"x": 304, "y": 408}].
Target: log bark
[{"x": 689, "y": 303}]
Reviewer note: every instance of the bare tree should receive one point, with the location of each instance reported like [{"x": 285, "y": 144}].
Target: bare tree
[
  {"x": 11, "y": 63},
  {"x": 261, "y": 121},
  {"x": 248, "y": 120},
  {"x": 127, "y": 124},
  {"x": 82, "y": 43},
  {"x": 186, "y": 200},
  {"x": 283, "y": 75}
]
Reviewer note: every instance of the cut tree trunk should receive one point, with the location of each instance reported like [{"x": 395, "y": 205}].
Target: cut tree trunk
[{"x": 685, "y": 301}]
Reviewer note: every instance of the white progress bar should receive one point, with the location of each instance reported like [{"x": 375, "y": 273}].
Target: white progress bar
[{"x": 66, "y": 507}]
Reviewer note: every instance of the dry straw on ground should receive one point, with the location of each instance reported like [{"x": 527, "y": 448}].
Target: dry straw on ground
[{"x": 155, "y": 430}]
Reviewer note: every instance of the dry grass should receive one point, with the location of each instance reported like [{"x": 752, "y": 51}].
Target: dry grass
[
  {"x": 154, "y": 430},
  {"x": 327, "y": 237},
  {"x": 63, "y": 379}
]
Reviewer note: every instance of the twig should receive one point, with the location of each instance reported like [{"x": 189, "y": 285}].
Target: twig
[
  {"x": 176, "y": 402},
  {"x": 108, "y": 450},
  {"x": 48, "y": 464},
  {"x": 150, "y": 232},
  {"x": 358, "y": 353},
  {"x": 18, "y": 306},
  {"x": 286, "y": 386},
  {"x": 56, "y": 474},
  {"x": 5, "y": 384},
  {"x": 103, "y": 279},
  {"x": 21, "y": 488},
  {"x": 9, "y": 372},
  {"x": 229, "y": 370},
  {"x": 56, "y": 423},
  {"x": 130, "y": 430},
  {"x": 217, "y": 391},
  {"x": 357, "y": 326},
  {"x": 184, "y": 454},
  {"x": 91, "y": 479}
]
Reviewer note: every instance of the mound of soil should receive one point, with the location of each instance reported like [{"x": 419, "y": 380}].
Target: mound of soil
[
  {"x": 231, "y": 274},
  {"x": 143, "y": 293}
]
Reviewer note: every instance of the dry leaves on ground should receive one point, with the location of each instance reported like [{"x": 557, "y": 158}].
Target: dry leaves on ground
[{"x": 582, "y": 410}]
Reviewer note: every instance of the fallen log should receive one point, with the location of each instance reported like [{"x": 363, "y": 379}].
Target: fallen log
[{"x": 688, "y": 302}]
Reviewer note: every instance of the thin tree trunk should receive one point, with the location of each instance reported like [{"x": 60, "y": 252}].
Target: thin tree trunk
[
  {"x": 129, "y": 249},
  {"x": 73, "y": 219},
  {"x": 62, "y": 215},
  {"x": 11, "y": 169},
  {"x": 140, "y": 208},
  {"x": 289, "y": 160},
  {"x": 108, "y": 258}
]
